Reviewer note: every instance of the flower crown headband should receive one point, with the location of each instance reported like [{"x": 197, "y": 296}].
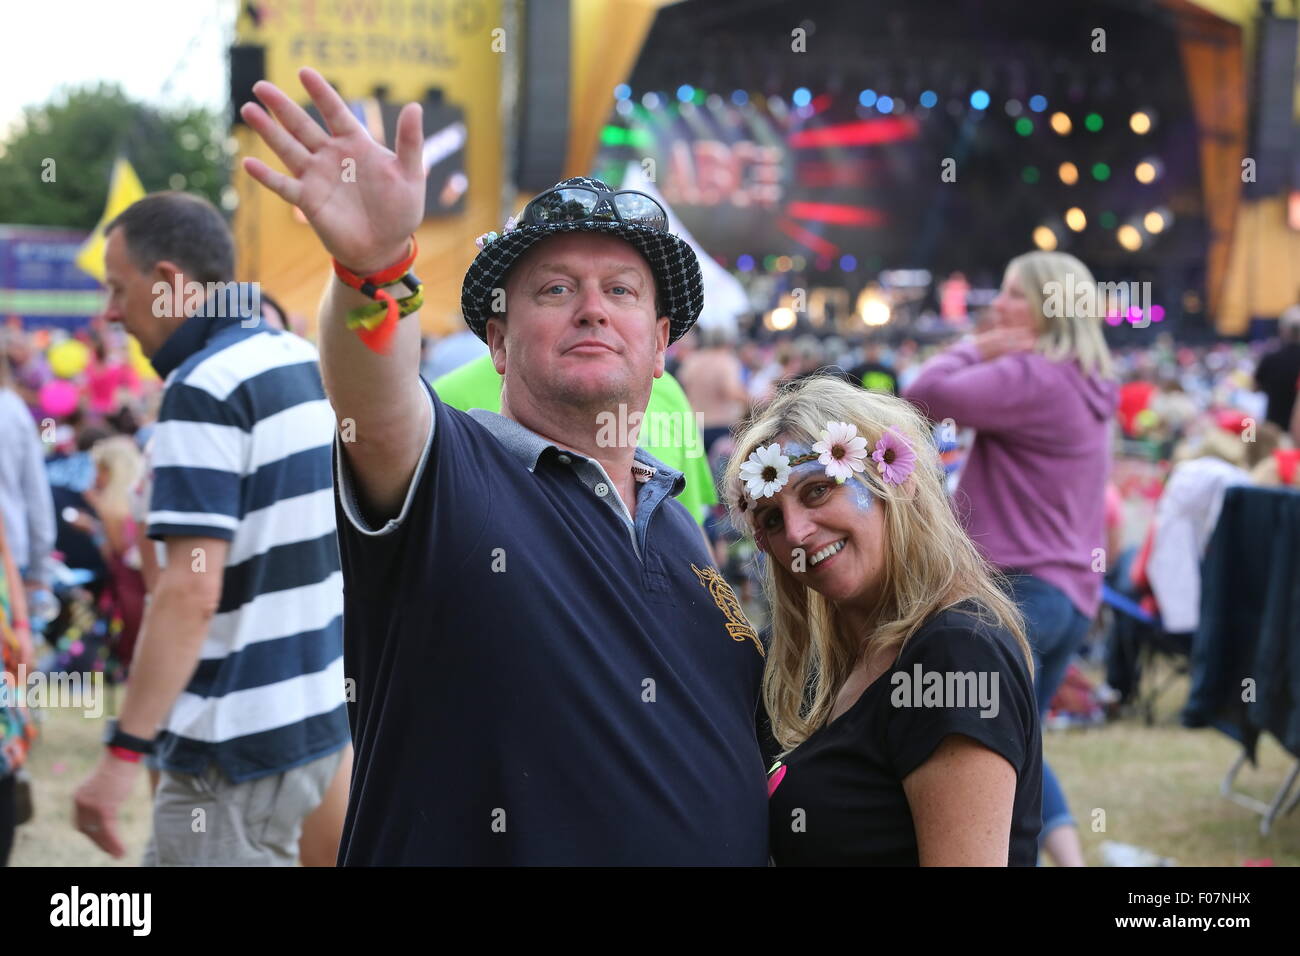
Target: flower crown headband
[{"x": 841, "y": 449}]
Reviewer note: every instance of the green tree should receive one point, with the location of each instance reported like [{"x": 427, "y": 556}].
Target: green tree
[{"x": 82, "y": 131}]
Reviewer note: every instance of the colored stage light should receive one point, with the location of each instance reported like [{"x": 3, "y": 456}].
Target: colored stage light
[
  {"x": 745, "y": 263},
  {"x": 1154, "y": 222},
  {"x": 1038, "y": 103},
  {"x": 979, "y": 100},
  {"x": 685, "y": 92},
  {"x": 650, "y": 101},
  {"x": 1100, "y": 172},
  {"x": 867, "y": 98},
  {"x": 1093, "y": 122},
  {"x": 1061, "y": 124},
  {"x": 1024, "y": 126},
  {"x": 929, "y": 98},
  {"x": 1107, "y": 220},
  {"x": 622, "y": 92},
  {"x": 885, "y": 104},
  {"x": 1045, "y": 238},
  {"x": 1069, "y": 173},
  {"x": 802, "y": 96},
  {"x": 1075, "y": 219},
  {"x": 739, "y": 97},
  {"x": 1129, "y": 237},
  {"x": 1029, "y": 174},
  {"x": 1140, "y": 123},
  {"x": 848, "y": 263}
]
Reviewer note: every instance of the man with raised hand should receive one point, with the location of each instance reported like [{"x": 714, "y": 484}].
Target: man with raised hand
[{"x": 548, "y": 668}]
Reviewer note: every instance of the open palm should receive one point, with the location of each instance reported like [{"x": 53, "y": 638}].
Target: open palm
[{"x": 362, "y": 199}]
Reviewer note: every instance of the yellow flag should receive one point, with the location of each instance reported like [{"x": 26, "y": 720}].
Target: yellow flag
[{"x": 123, "y": 189}]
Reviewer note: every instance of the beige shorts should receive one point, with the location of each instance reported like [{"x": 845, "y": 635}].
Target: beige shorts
[{"x": 208, "y": 820}]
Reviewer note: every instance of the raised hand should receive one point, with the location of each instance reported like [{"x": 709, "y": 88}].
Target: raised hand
[{"x": 362, "y": 199}]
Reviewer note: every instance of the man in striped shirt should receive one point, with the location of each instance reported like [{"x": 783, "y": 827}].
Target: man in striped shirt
[{"x": 237, "y": 685}]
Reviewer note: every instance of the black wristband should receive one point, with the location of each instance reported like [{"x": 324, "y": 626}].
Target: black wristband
[{"x": 114, "y": 737}]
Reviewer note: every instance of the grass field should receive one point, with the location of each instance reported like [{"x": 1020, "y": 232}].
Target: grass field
[{"x": 1158, "y": 786}]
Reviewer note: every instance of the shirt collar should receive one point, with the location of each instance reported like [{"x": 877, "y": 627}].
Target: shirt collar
[
  {"x": 193, "y": 334},
  {"x": 528, "y": 447}
]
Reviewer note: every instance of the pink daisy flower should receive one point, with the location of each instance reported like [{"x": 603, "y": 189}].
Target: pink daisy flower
[
  {"x": 894, "y": 457},
  {"x": 842, "y": 450}
]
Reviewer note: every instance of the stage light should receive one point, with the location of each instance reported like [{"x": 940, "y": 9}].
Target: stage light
[
  {"x": 784, "y": 263},
  {"x": 801, "y": 97},
  {"x": 929, "y": 98},
  {"x": 1157, "y": 221},
  {"x": 1045, "y": 238},
  {"x": 1014, "y": 108},
  {"x": 624, "y": 107},
  {"x": 685, "y": 92},
  {"x": 1157, "y": 313},
  {"x": 1093, "y": 122},
  {"x": 1107, "y": 220},
  {"x": 872, "y": 307},
  {"x": 622, "y": 92},
  {"x": 739, "y": 97},
  {"x": 781, "y": 319},
  {"x": 1038, "y": 102},
  {"x": 867, "y": 98},
  {"x": 1100, "y": 172},
  {"x": 769, "y": 263},
  {"x": 745, "y": 263},
  {"x": 1061, "y": 124},
  {"x": 1129, "y": 237},
  {"x": 1140, "y": 123},
  {"x": 1075, "y": 219},
  {"x": 1149, "y": 170},
  {"x": 799, "y": 263},
  {"x": 848, "y": 263},
  {"x": 1029, "y": 174},
  {"x": 650, "y": 101},
  {"x": 979, "y": 100},
  {"x": 885, "y": 104},
  {"x": 1024, "y": 126},
  {"x": 1069, "y": 173},
  {"x": 714, "y": 102}
]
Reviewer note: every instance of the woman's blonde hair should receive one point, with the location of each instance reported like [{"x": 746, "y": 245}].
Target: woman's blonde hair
[
  {"x": 1073, "y": 330},
  {"x": 930, "y": 564},
  {"x": 122, "y": 460}
]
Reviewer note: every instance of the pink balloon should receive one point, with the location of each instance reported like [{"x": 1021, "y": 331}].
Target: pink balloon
[{"x": 59, "y": 398}]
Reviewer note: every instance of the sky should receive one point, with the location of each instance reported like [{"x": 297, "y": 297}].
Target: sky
[{"x": 162, "y": 52}]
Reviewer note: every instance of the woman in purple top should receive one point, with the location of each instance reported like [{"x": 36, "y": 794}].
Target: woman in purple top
[{"x": 1039, "y": 390}]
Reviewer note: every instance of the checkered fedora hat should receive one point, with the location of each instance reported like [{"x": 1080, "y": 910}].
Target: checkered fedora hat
[{"x": 673, "y": 262}]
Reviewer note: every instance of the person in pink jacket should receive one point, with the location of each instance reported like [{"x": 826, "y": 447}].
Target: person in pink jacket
[{"x": 1039, "y": 389}]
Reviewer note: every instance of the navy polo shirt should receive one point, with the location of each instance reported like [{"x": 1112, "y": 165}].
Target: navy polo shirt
[{"x": 540, "y": 679}]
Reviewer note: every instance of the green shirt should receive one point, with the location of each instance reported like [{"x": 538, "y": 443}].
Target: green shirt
[{"x": 670, "y": 431}]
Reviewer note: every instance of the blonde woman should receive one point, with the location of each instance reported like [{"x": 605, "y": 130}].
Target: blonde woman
[
  {"x": 1039, "y": 390},
  {"x": 898, "y": 680}
]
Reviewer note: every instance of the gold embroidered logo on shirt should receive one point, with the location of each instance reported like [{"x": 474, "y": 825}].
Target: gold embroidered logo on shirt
[{"x": 727, "y": 602}]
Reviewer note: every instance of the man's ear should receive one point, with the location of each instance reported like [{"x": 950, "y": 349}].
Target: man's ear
[
  {"x": 496, "y": 343},
  {"x": 663, "y": 327}
]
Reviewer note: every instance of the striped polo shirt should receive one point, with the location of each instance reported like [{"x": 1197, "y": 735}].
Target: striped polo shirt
[{"x": 241, "y": 452}]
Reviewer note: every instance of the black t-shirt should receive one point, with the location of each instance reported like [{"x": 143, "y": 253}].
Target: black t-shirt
[
  {"x": 840, "y": 799},
  {"x": 1277, "y": 375},
  {"x": 529, "y": 690},
  {"x": 876, "y": 377}
]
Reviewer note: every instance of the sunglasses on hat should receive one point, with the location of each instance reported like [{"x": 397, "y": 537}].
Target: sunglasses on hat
[{"x": 580, "y": 203}]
